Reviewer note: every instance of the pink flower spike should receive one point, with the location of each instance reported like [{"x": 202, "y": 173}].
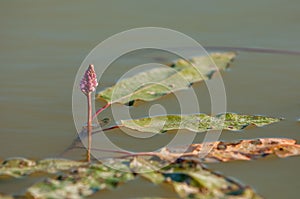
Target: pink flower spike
[{"x": 89, "y": 81}]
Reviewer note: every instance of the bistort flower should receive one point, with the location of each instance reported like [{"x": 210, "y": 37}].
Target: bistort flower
[{"x": 89, "y": 81}]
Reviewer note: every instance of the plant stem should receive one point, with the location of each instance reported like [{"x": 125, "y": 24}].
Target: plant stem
[
  {"x": 100, "y": 110},
  {"x": 107, "y": 150},
  {"x": 89, "y": 127}
]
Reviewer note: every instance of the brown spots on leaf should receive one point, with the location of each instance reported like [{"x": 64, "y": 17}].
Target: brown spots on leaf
[
  {"x": 233, "y": 143},
  {"x": 243, "y": 149},
  {"x": 256, "y": 142},
  {"x": 274, "y": 142}
]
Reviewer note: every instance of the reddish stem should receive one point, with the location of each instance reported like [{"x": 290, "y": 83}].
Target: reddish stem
[
  {"x": 89, "y": 127},
  {"x": 100, "y": 110},
  {"x": 111, "y": 128}
]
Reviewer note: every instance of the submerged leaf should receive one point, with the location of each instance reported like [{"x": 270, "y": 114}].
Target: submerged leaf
[
  {"x": 237, "y": 150},
  {"x": 155, "y": 83},
  {"x": 197, "y": 122}
]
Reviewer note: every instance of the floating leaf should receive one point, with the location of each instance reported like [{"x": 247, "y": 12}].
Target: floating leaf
[
  {"x": 80, "y": 182},
  {"x": 191, "y": 180},
  {"x": 188, "y": 177},
  {"x": 153, "y": 198},
  {"x": 17, "y": 167},
  {"x": 197, "y": 122},
  {"x": 237, "y": 150},
  {"x": 145, "y": 168},
  {"x": 3, "y": 196},
  {"x": 155, "y": 83}
]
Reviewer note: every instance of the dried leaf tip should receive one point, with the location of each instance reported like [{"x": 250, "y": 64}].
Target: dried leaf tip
[{"x": 89, "y": 81}]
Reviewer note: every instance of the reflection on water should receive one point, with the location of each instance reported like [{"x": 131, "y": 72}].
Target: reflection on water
[{"x": 43, "y": 44}]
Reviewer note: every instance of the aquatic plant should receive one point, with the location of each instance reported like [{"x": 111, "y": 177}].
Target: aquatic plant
[
  {"x": 185, "y": 171},
  {"x": 88, "y": 85}
]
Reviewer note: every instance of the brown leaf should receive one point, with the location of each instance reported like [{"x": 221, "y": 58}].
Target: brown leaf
[
  {"x": 287, "y": 150},
  {"x": 237, "y": 150}
]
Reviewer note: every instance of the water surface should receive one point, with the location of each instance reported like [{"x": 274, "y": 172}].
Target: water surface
[{"x": 44, "y": 42}]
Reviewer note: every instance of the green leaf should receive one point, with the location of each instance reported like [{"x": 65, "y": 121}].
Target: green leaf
[
  {"x": 80, "y": 182},
  {"x": 17, "y": 167},
  {"x": 197, "y": 122},
  {"x": 190, "y": 180},
  {"x": 155, "y": 83},
  {"x": 147, "y": 169}
]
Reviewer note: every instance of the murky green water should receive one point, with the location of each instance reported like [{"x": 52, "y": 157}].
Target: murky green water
[{"x": 42, "y": 44}]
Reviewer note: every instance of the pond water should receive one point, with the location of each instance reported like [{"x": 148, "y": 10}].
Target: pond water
[{"x": 43, "y": 44}]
